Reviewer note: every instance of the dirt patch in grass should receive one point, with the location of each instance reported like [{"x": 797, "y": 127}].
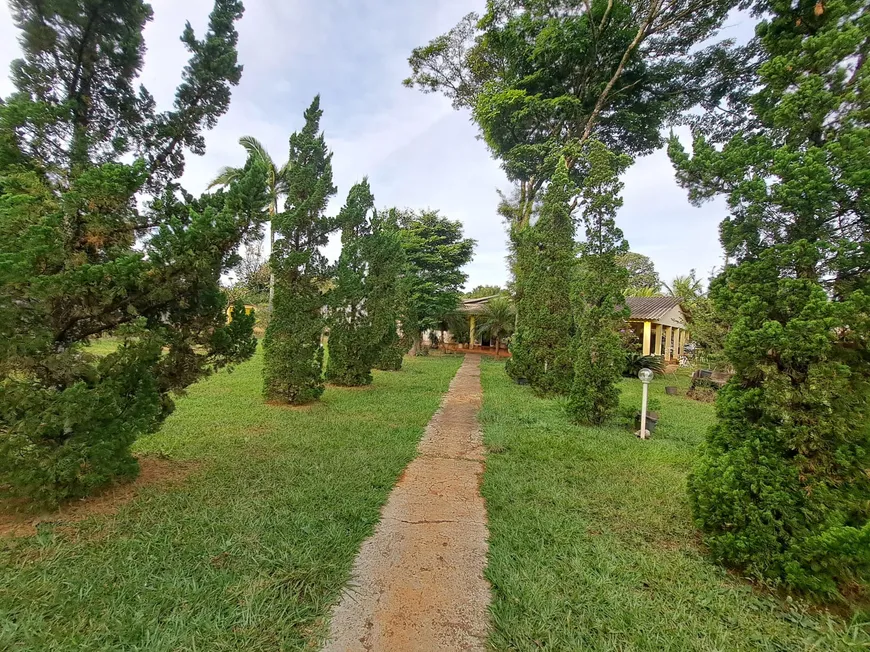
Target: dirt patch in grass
[
  {"x": 17, "y": 518},
  {"x": 702, "y": 394}
]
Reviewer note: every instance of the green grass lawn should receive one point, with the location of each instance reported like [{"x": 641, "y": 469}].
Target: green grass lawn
[
  {"x": 592, "y": 545},
  {"x": 249, "y": 552}
]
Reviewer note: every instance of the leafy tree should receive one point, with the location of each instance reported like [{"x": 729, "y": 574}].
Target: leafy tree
[
  {"x": 482, "y": 291},
  {"x": 543, "y": 78},
  {"x": 541, "y": 345},
  {"x": 435, "y": 252},
  {"x": 706, "y": 328},
  {"x": 538, "y": 76},
  {"x": 643, "y": 279},
  {"x": 276, "y": 182},
  {"x": 251, "y": 282},
  {"x": 782, "y": 489},
  {"x": 498, "y": 319},
  {"x": 599, "y": 308},
  {"x": 84, "y": 255},
  {"x": 293, "y": 364},
  {"x": 707, "y": 331},
  {"x": 352, "y": 340}
]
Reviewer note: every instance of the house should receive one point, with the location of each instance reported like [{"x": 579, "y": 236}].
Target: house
[
  {"x": 658, "y": 322},
  {"x": 474, "y": 308},
  {"x": 248, "y": 309}
]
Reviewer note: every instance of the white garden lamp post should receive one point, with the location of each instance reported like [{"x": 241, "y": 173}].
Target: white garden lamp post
[{"x": 645, "y": 375}]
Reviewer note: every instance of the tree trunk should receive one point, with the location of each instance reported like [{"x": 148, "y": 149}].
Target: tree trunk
[
  {"x": 416, "y": 339},
  {"x": 273, "y": 208}
]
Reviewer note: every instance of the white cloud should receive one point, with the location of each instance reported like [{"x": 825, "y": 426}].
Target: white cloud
[{"x": 416, "y": 151}]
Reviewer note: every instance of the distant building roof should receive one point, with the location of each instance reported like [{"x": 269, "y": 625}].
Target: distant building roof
[
  {"x": 651, "y": 308},
  {"x": 642, "y": 308},
  {"x": 477, "y": 305}
]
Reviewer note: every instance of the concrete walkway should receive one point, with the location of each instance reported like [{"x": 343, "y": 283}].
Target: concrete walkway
[{"x": 418, "y": 582}]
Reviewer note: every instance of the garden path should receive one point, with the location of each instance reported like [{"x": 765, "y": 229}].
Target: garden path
[{"x": 418, "y": 583}]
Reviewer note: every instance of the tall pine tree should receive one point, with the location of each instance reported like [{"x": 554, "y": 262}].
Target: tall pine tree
[
  {"x": 293, "y": 369},
  {"x": 782, "y": 489},
  {"x": 352, "y": 340},
  {"x": 599, "y": 307},
  {"x": 387, "y": 289},
  {"x": 545, "y": 262},
  {"x": 84, "y": 254}
]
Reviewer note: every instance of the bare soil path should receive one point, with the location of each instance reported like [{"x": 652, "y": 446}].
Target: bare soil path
[{"x": 418, "y": 581}]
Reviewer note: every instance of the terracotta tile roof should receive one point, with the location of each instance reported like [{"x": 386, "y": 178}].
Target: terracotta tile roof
[{"x": 650, "y": 308}]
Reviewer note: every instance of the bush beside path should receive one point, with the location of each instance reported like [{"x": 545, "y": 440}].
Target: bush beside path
[
  {"x": 592, "y": 546},
  {"x": 252, "y": 549}
]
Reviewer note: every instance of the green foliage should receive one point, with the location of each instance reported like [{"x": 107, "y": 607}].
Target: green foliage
[
  {"x": 293, "y": 364},
  {"x": 707, "y": 331},
  {"x": 251, "y": 276},
  {"x": 263, "y": 530},
  {"x": 353, "y": 340},
  {"x": 686, "y": 288},
  {"x": 276, "y": 188},
  {"x": 481, "y": 291},
  {"x": 498, "y": 319},
  {"x": 435, "y": 252},
  {"x": 643, "y": 279},
  {"x": 592, "y": 545},
  {"x": 459, "y": 326},
  {"x": 635, "y": 361},
  {"x": 599, "y": 309},
  {"x": 391, "y": 351},
  {"x": 541, "y": 346},
  {"x": 782, "y": 490},
  {"x": 540, "y": 76},
  {"x": 84, "y": 255},
  {"x": 386, "y": 291}
]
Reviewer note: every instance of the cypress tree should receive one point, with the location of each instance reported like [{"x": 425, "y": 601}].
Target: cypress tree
[
  {"x": 541, "y": 346},
  {"x": 83, "y": 254},
  {"x": 293, "y": 364},
  {"x": 599, "y": 307},
  {"x": 352, "y": 342},
  {"x": 387, "y": 266},
  {"x": 782, "y": 489}
]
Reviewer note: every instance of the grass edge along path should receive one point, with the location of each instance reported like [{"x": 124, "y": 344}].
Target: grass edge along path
[
  {"x": 250, "y": 551},
  {"x": 591, "y": 541}
]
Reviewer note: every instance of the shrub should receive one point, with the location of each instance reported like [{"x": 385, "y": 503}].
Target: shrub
[
  {"x": 782, "y": 490},
  {"x": 634, "y": 362},
  {"x": 97, "y": 240}
]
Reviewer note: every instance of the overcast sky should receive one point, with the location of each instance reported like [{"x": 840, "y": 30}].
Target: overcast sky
[{"x": 416, "y": 150}]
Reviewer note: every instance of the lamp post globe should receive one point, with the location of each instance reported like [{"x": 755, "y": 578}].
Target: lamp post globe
[{"x": 645, "y": 375}]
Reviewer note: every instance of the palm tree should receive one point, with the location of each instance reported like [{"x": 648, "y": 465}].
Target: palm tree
[
  {"x": 641, "y": 292},
  {"x": 685, "y": 288},
  {"x": 498, "y": 319},
  {"x": 276, "y": 182}
]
